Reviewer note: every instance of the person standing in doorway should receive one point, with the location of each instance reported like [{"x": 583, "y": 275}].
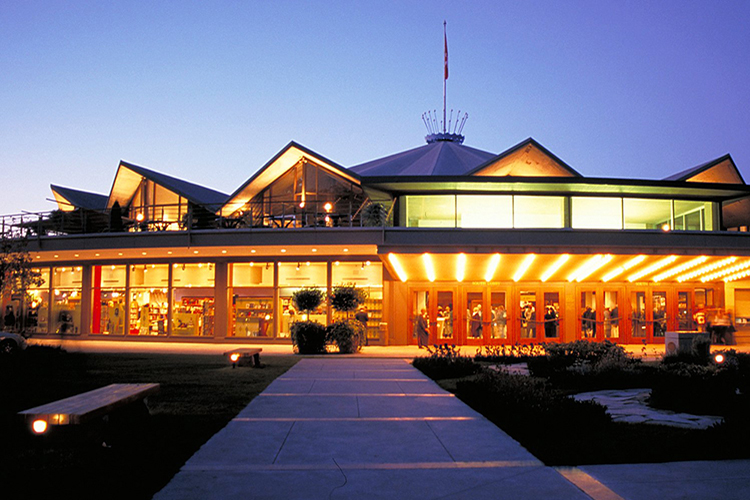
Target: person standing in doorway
[
  {"x": 362, "y": 317},
  {"x": 423, "y": 334}
]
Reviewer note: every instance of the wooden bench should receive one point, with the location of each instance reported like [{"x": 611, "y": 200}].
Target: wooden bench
[
  {"x": 87, "y": 406},
  {"x": 245, "y": 356}
]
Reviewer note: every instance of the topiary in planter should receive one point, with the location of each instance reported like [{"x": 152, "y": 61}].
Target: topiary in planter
[
  {"x": 308, "y": 337},
  {"x": 347, "y": 335},
  {"x": 346, "y": 298}
]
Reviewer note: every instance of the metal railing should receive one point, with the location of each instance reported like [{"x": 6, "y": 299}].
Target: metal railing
[{"x": 174, "y": 217}]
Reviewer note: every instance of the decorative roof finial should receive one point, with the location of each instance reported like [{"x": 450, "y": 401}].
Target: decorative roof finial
[{"x": 438, "y": 132}]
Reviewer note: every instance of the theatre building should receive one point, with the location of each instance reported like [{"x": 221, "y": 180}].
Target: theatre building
[{"x": 508, "y": 248}]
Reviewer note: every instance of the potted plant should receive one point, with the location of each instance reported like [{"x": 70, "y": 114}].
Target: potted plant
[
  {"x": 308, "y": 337},
  {"x": 347, "y": 333}
]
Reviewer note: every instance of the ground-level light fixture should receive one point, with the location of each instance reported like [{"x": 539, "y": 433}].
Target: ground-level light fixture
[
  {"x": 39, "y": 426},
  {"x": 719, "y": 358},
  {"x": 234, "y": 357}
]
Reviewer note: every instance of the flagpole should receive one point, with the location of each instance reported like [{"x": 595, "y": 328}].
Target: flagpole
[{"x": 445, "y": 69}]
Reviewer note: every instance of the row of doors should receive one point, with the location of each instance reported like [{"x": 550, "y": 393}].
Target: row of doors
[{"x": 466, "y": 315}]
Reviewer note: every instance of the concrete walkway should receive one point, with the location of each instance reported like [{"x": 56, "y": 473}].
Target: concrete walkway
[
  {"x": 378, "y": 428},
  {"x": 362, "y": 428}
]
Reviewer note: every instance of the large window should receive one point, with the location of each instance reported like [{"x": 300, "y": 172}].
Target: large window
[
  {"x": 66, "y": 301},
  {"x": 538, "y": 211},
  {"x": 36, "y": 315},
  {"x": 484, "y": 211},
  {"x": 149, "y": 302},
  {"x": 193, "y": 300},
  {"x": 252, "y": 299},
  {"x": 367, "y": 275},
  {"x": 596, "y": 213},
  {"x": 293, "y": 276},
  {"x": 430, "y": 211},
  {"x": 108, "y": 294}
]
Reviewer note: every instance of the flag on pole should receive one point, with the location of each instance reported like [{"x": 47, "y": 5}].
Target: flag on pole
[{"x": 445, "y": 39}]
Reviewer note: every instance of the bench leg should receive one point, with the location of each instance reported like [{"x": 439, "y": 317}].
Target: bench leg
[{"x": 256, "y": 360}]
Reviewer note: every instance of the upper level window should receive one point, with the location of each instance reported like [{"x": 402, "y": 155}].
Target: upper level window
[
  {"x": 538, "y": 211},
  {"x": 596, "y": 212}
]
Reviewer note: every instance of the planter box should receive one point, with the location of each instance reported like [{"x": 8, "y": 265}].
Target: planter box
[{"x": 675, "y": 342}]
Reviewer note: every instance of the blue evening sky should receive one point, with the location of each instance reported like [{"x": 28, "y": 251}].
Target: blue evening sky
[{"x": 210, "y": 91}]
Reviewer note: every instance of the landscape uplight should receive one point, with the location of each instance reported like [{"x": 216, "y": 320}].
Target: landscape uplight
[
  {"x": 719, "y": 358},
  {"x": 39, "y": 426}
]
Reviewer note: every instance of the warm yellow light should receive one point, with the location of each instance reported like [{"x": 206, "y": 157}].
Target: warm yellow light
[
  {"x": 706, "y": 269},
  {"x": 139, "y": 217},
  {"x": 737, "y": 276},
  {"x": 328, "y": 207},
  {"x": 397, "y": 267},
  {"x": 551, "y": 270},
  {"x": 492, "y": 267},
  {"x": 666, "y": 228},
  {"x": 625, "y": 267},
  {"x": 268, "y": 317},
  {"x": 39, "y": 426},
  {"x": 234, "y": 357},
  {"x": 588, "y": 267},
  {"x": 461, "y": 267},
  {"x": 302, "y": 204},
  {"x": 428, "y": 266},
  {"x": 724, "y": 272},
  {"x": 524, "y": 267},
  {"x": 652, "y": 268},
  {"x": 719, "y": 358},
  {"x": 681, "y": 268}
]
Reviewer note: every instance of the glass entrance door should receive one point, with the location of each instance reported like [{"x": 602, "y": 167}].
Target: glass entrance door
[
  {"x": 473, "y": 311},
  {"x": 611, "y": 315},
  {"x": 659, "y": 311},
  {"x": 444, "y": 315},
  {"x": 420, "y": 305},
  {"x": 498, "y": 317},
  {"x": 638, "y": 315},
  {"x": 527, "y": 315},
  {"x": 552, "y": 317},
  {"x": 587, "y": 314},
  {"x": 685, "y": 311}
]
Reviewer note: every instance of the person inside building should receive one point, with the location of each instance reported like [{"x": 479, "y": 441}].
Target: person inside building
[
  {"x": 420, "y": 328},
  {"x": 362, "y": 317}
]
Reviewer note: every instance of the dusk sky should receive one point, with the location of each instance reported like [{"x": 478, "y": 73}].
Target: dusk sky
[{"x": 210, "y": 91}]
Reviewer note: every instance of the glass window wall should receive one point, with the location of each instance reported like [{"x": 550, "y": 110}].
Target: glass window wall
[
  {"x": 367, "y": 275},
  {"x": 431, "y": 211},
  {"x": 193, "y": 300},
  {"x": 596, "y": 213},
  {"x": 292, "y": 277},
  {"x": 149, "y": 301},
  {"x": 66, "y": 299},
  {"x": 252, "y": 299},
  {"x": 487, "y": 211},
  {"x": 108, "y": 294},
  {"x": 641, "y": 213},
  {"x": 538, "y": 211},
  {"x": 36, "y": 315}
]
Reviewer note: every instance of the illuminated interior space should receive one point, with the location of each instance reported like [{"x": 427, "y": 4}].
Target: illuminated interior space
[{"x": 508, "y": 248}]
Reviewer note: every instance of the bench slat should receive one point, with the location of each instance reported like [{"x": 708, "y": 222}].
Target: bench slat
[{"x": 88, "y": 405}]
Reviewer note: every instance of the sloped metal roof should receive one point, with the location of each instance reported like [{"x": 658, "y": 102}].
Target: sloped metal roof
[
  {"x": 732, "y": 171},
  {"x": 78, "y": 199},
  {"x": 200, "y": 195},
  {"x": 438, "y": 158}
]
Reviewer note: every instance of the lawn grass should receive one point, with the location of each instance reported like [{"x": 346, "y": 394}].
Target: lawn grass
[{"x": 199, "y": 395}]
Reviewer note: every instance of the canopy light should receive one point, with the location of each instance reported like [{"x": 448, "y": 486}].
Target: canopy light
[
  {"x": 551, "y": 270},
  {"x": 428, "y": 266},
  {"x": 706, "y": 269},
  {"x": 461, "y": 267},
  {"x": 652, "y": 268},
  {"x": 397, "y": 267},
  {"x": 524, "y": 267},
  {"x": 589, "y": 267},
  {"x": 724, "y": 272},
  {"x": 625, "y": 267},
  {"x": 681, "y": 268},
  {"x": 492, "y": 267}
]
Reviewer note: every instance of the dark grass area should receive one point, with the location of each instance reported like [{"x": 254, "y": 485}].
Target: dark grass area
[
  {"x": 558, "y": 441},
  {"x": 199, "y": 395}
]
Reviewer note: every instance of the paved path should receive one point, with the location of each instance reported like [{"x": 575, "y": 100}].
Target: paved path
[{"x": 377, "y": 428}]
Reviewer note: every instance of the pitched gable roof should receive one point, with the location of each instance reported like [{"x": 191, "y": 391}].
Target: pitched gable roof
[
  {"x": 526, "y": 159},
  {"x": 129, "y": 177},
  {"x": 721, "y": 170},
  {"x": 437, "y": 158},
  {"x": 69, "y": 199},
  {"x": 275, "y": 168}
]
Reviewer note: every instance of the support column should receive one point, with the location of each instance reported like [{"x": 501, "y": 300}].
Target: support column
[
  {"x": 221, "y": 300},
  {"x": 86, "y": 300}
]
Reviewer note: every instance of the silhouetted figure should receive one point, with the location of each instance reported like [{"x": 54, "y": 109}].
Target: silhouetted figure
[{"x": 115, "y": 218}]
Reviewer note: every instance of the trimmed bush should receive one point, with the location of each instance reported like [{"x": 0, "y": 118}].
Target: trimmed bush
[
  {"x": 347, "y": 335},
  {"x": 444, "y": 362},
  {"x": 308, "y": 299},
  {"x": 308, "y": 337}
]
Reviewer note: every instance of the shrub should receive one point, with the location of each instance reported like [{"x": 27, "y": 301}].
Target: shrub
[
  {"x": 374, "y": 215},
  {"x": 308, "y": 337},
  {"x": 308, "y": 299},
  {"x": 509, "y": 354},
  {"x": 347, "y": 335},
  {"x": 346, "y": 298},
  {"x": 445, "y": 361}
]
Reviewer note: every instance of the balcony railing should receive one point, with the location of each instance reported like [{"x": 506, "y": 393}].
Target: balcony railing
[{"x": 157, "y": 218}]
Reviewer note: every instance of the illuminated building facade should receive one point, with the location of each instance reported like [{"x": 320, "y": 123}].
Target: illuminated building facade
[{"x": 507, "y": 248}]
